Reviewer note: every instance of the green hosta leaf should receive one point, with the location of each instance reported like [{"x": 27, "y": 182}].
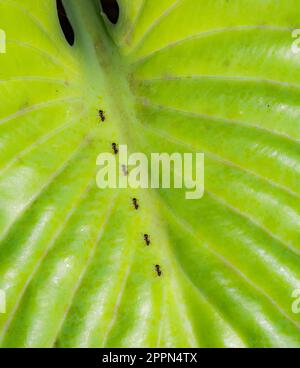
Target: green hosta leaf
[{"x": 217, "y": 77}]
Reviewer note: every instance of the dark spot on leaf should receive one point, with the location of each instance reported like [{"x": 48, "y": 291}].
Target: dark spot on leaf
[
  {"x": 111, "y": 9},
  {"x": 65, "y": 23}
]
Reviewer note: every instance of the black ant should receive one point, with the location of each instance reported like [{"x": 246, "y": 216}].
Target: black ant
[
  {"x": 135, "y": 203},
  {"x": 158, "y": 270},
  {"x": 125, "y": 171},
  {"x": 115, "y": 148},
  {"x": 147, "y": 239},
  {"x": 102, "y": 115}
]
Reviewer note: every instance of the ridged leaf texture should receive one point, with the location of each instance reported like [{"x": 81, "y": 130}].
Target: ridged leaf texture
[{"x": 217, "y": 77}]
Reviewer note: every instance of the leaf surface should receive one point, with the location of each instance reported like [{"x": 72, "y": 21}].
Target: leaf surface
[{"x": 217, "y": 77}]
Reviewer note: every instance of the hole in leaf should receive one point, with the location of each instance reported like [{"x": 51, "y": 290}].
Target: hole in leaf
[
  {"x": 111, "y": 9},
  {"x": 65, "y": 23}
]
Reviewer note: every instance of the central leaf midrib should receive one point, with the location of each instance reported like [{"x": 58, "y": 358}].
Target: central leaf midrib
[{"x": 105, "y": 70}]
